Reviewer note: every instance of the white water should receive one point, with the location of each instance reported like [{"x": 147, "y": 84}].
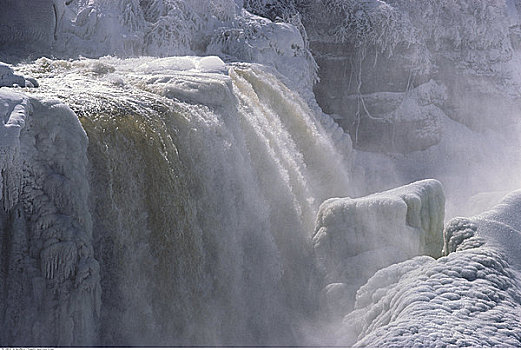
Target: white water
[{"x": 203, "y": 192}]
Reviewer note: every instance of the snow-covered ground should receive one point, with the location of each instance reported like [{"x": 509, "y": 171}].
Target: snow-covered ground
[{"x": 169, "y": 178}]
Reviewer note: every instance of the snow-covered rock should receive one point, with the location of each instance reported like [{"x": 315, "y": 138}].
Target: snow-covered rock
[
  {"x": 499, "y": 227},
  {"x": 471, "y": 297},
  {"x": 356, "y": 237},
  {"x": 9, "y": 78},
  {"x": 277, "y": 45}
]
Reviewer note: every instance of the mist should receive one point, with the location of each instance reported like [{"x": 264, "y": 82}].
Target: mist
[{"x": 260, "y": 173}]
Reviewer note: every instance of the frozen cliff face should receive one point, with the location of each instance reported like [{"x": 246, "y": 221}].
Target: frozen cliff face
[
  {"x": 395, "y": 46},
  {"x": 398, "y": 122},
  {"x": 471, "y": 297},
  {"x": 278, "y": 45},
  {"x": 205, "y": 179},
  {"x": 51, "y": 280},
  {"x": 354, "y": 238}
]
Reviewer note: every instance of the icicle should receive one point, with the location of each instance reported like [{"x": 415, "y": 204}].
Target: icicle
[{"x": 58, "y": 261}]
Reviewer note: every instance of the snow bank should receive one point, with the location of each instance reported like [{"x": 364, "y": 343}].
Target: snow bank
[
  {"x": 471, "y": 297},
  {"x": 356, "y": 237}
]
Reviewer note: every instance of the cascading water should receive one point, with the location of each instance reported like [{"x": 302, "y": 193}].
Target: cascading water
[
  {"x": 204, "y": 186},
  {"x": 185, "y": 201}
]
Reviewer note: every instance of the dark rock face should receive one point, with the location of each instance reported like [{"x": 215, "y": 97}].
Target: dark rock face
[{"x": 27, "y": 21}]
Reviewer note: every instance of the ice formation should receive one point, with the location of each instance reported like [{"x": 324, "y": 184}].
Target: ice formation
[
  {"x": 46, "y": 226},
  {"x": 169, "y": 176},
  {"x": 471, "y": 297},
  {"x": 354, "y": 238},
  {"x": 9, "y": 79}
]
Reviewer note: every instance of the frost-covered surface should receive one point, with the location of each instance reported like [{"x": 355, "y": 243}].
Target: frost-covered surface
[
  {"x": 354, "y": 238},
  {"x": 52, "y": 291},
  {"x": 472, "y": 297},
  {"x": 415, "y": 116}
]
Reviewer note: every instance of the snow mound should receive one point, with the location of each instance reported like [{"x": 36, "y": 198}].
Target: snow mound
[
  {"x": 499, "y": 227},
  {"x": 356, "y": 237},
  {"x": 466, "y": 299},
  {"x": 471, "y": 297}
]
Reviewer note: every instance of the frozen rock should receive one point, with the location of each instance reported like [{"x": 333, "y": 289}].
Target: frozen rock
[
  {"x": 278, "y": 45},
  {"x": 46, "y": 232},
  {"x": 9, "y": 79},
  {"x": 13, "y": 111},
  {"x": 356, "y": 237},
  {"x": 469, "y": 298},
  {"x": 500, "y": 228}
]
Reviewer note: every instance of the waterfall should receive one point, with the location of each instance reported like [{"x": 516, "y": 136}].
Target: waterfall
[
  {"x": 180, "y": 200},
  {"x": 203, "y": 184}
]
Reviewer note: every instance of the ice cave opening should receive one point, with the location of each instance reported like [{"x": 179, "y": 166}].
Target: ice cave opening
[{"x": 260, "y": 173}]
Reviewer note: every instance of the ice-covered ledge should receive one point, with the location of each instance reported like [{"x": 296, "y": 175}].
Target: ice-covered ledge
[{"x": 354, "y": 238}]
